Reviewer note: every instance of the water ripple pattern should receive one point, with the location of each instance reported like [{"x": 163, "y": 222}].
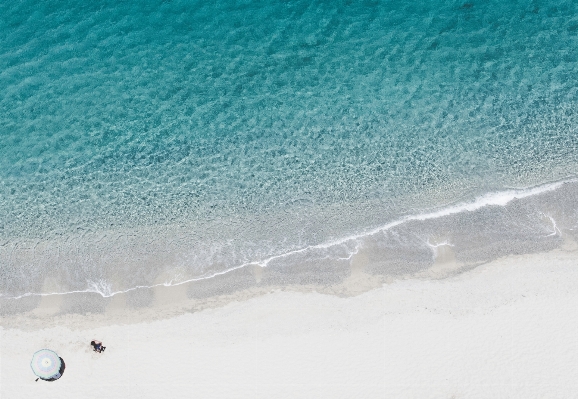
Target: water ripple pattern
[{"x": 190, "y": 137}]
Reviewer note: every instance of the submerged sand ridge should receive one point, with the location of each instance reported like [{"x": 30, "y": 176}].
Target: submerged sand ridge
[
  {"x": 504, "y": 329},
  {"x": 358, "y": 274}
]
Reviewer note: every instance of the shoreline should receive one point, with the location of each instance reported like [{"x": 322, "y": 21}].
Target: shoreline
[
  {"x": 165, "y": 302},
  {"x": 490, "y": 206},
  {"x": 418, "y": 337}
]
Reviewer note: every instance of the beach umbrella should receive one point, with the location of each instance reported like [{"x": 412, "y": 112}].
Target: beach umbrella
[{"x": 46, "y": 364}]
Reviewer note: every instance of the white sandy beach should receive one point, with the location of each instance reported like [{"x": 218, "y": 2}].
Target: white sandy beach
[{"x": 507, "y": 329}]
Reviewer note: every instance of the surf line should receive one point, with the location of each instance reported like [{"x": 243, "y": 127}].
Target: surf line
[{"x": 500, "y": 198}]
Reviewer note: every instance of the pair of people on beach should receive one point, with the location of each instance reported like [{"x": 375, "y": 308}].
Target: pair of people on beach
[{"x": 97, "y": 346}]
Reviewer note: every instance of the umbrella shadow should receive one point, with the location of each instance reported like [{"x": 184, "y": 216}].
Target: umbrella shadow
[{"x": 61, "y": 371}]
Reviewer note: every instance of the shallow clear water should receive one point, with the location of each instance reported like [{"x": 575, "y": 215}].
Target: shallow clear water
[{"x": 187, "y": 138}]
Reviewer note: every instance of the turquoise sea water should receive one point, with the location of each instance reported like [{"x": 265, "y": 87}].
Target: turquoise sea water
[{"x": 189, "y": 137}]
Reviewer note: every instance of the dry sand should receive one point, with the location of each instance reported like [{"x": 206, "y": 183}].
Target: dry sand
[{"x": 508, "y": 329}]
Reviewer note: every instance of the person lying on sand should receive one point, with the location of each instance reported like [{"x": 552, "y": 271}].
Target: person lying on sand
[{"x": 97, "y": 346}]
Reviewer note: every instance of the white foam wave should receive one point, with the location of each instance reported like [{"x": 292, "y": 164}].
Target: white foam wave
[{"x": 501, "y": 198}]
